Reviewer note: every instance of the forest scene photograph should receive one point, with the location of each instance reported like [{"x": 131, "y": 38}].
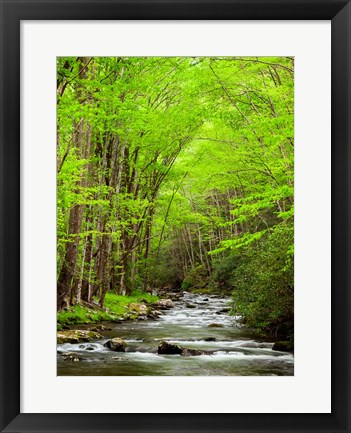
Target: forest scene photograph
[{"x": 175, "y": 216}]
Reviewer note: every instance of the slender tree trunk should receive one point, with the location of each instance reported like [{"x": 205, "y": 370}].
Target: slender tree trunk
[
  {"x": 87, "y": 269},
  {"x": 65, "y": 283}
]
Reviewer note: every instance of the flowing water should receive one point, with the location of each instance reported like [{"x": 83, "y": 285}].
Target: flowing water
[{"x": 234, "y": 351}]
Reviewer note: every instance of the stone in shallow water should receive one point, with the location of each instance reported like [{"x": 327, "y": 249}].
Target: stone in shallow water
[
  {"x": 191, "y": 352},
  {"x": 117, "y": 344},
  {"x": 215, "y": 325},
  {"x": 168, "y": 349},
  {"x": 154, "y": 314}
]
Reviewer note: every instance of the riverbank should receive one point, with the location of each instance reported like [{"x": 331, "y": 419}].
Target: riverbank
[
  {"x": 143, "y": 306},
  {"x": 116, "y": 308}
]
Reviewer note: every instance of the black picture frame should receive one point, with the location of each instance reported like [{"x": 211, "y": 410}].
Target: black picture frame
[{"x": 12, "y": 12}]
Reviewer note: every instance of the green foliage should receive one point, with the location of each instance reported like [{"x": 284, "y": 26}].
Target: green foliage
[
  {"x": 263, "y": 283},
  {"x": 196, "y": 279},
  {"x": 117, "y": 303},
  {"x": 115, "y": 308},
  {"x": 77, "y": 314},
  {"x": 223, "y": 271},
  {"x": 177, "y": 172}
]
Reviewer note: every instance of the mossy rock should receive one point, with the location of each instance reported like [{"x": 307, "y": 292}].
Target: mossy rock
[
  {"x": 164, "y": 304},
  {"x": 77, "y": 336},
  {"x": 135, "y": 308}
]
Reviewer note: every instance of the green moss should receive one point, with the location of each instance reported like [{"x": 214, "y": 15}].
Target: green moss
[{"x": 116, "y": 304}]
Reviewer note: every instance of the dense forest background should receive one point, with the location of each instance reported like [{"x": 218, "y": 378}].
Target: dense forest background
[{"x": 177, "y": 174}]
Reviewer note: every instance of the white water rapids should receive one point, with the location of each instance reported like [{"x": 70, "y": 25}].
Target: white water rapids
[{"x": 231, "y": 350}]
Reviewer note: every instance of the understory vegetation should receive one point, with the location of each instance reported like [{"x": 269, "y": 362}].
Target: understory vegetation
[
  {"x": 116, "y": 308},
  {"x": 176, "y": 174}
]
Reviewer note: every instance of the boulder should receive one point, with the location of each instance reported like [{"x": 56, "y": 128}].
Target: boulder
[
  {"x": 205, "y": 299},
  {"x": 283, "y": 346},
  {"x": 210, "y": 339},
  {"x": 165, "y": 348},
  {"x": 117, "y": 344},
  {"x": 215, "y": 325},
  {"x": 191, "y": 352},
  {"x": 155, "y": 314},
  {"x": 133, "y": 307},
  {"x": 77, "y": 336},
  {"x": 188, "y": 305},
  {"x": 164, "y": 304}
]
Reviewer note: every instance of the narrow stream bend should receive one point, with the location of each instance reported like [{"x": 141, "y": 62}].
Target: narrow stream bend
[{"x": 233, "y": 350}]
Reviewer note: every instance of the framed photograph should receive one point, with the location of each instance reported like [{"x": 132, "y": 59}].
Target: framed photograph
[{"x": 174, "y": 216}]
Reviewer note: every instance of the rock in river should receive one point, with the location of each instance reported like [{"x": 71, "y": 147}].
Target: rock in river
[
  {"x": 116, "y": 344},
  {"x": 166, "y": 348},
  {"x": 191, "y": 352},
  {"x": 169, "y": 349},
  {"x": 77, "y": 336},
  {"x": 164, "y": 304},
  {"x": 215, "y": 325},
  {"x": 154, "y": 314}
]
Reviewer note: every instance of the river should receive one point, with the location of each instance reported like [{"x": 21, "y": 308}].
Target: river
[{"x": 233, "y": 350}]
